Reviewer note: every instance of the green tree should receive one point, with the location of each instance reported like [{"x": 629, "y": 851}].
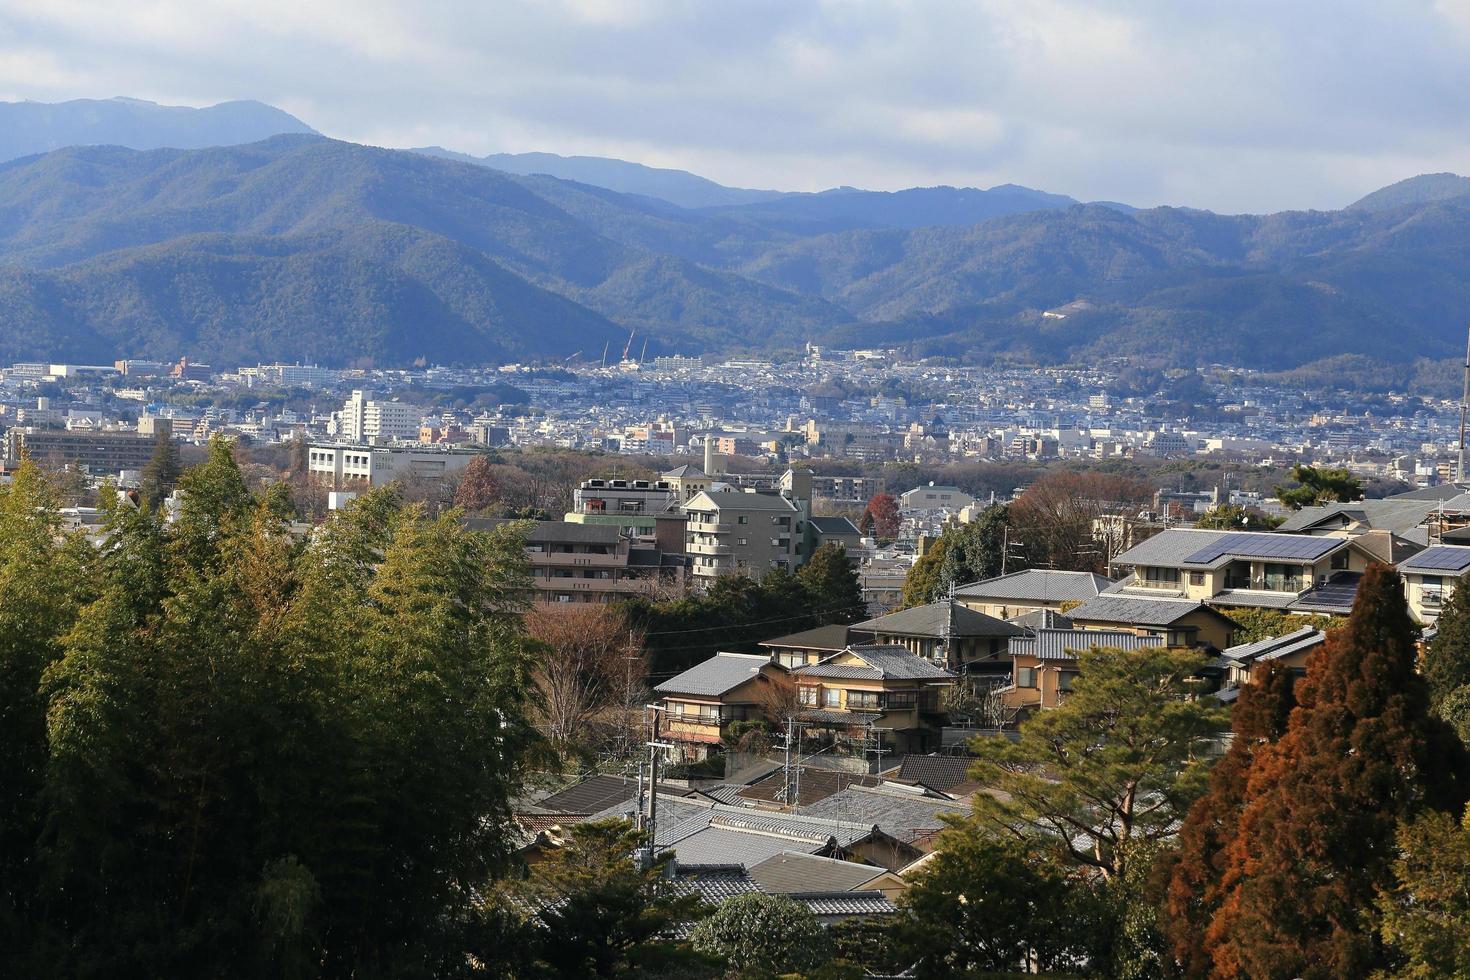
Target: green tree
[
  {"x": 764, "y": 935},
  {"x": 925, "y": 580},
  {"x": 596, "y": 906},
  {"x": 1319, "y": 486},
  {"x": 161, "y": 472},
  {"x": 1259, "y": 624},
  {"x": 1316, "y": 836},
  {"x": 1426, "y": 913},
  {"x": 1446, "y": 664},
  {"x": 831, "y": 585},
  {"x": 976, "y": 550},
  {"x": 1230, "y": 517},
  {"x": 1117, "y": 764},
  {"x": 988, "y": 904}
]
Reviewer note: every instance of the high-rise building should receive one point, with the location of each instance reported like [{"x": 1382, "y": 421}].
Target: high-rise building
[{"x": 366, "y": 421}]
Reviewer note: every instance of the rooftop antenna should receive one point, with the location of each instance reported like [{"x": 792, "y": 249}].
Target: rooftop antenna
[{"x": 1464, "y": 404}]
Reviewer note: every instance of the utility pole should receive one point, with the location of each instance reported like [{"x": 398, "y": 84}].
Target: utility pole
[{"x": 655, "y": 747}]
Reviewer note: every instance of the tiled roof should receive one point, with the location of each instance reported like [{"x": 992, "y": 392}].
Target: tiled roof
[
  {"x": 940, "y": 772},
  {"x": 1253, "y": 598},
  {"x": 846, "y": 904},
  {"x": 1135, "y": 611},
  {"x": 1038, "y": 585},
  {"x": 1274, "y": 647},
  {"x": 713, "y": 882},
  {"x": 884, "y": 663},
  {"x": 687, "y": 471},
  {"x": 834, "y": 525},
  {"x": 737, "y": 500},
  {"x": 1064, "y": 644},
  {"x": 896, "y": 814},
  {"x": 1391, "y": 514},
  {"x": 591, "y": 795},
  {"x": 716, "y": 676},
  {"x": 831, "y": 637},
  {"x": 815, "y": 784},
  {"x": 932, "y": 619},
  {"x": 793, "y": 871},
  {"x": 1038, "y": 619},
  {"x": 1168, "y": 548},
  {"x": 1195, "y": 548}
]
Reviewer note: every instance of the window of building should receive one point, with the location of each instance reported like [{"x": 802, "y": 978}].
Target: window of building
[
  {"x": 832, "y": 697},
  {"x": 1163, "y": 578},
  {"x": 808, "y": 696},
  {"x": 1066, "y": 679},
  {"x": 862, "y": 700},
  {"x": 1025, "y": 676},
  {"x": 742, "y": 519},
  {"x": 1196, "y": 578},
  {"x": 1340, "y": 560}
]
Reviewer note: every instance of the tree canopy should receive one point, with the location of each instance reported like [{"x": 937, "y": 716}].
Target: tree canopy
[{"x": 1319, "y": 486}]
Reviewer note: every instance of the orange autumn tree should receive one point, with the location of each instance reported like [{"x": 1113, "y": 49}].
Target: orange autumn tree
[
  {"x": 1315, "y": 843},
  {"x": 1197, "y": 882}
]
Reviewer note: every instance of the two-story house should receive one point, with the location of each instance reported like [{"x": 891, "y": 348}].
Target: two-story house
[
  {"x": 1430, "y": 578},
  {"x": 888, "y": 690},
  {"x": 948, "y": 634},
  {"x": 1254, "y": 569},
  {"x": 1044, "y": 664},
  {"x": 727, "y": 687},
  {"x": 1290, "y": 650}
]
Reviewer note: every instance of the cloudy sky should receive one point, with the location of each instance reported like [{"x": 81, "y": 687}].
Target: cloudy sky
[{"x": 1243, "y": 105}]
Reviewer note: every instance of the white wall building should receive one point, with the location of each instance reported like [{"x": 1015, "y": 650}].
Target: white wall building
[
  {"x": 366, "y": 420},
  {"x": 349, "y": 467}
]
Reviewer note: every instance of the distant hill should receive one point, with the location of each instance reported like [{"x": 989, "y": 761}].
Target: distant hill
[
  {"x": 1423, "y": 189},
  {"x": 40, "y": 127},
  {"x": 675, "y": 186},
  {"x": 302, "y": 247},
  {"x": 847, "y": 208}
]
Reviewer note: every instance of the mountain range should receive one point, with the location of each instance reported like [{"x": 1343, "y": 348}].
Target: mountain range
[{"x": 301, "y": 247}]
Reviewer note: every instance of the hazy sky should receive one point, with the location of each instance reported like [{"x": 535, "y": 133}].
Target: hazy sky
[{"x": 1234, "y": 105}]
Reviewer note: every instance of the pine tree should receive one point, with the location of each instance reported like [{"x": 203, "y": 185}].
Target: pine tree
[
  {"x": 1197, "y": 883},
  {"x": 161, "y": 472},
  {"x": 1316, "y": 837}
]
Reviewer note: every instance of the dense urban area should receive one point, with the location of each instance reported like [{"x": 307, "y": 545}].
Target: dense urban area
[{"x": 841, "y": 666}]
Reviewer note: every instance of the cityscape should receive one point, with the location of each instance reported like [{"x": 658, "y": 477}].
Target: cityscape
[{"x": 639, "y": 490}]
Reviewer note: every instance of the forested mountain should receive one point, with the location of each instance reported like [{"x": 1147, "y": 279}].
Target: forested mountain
[
  {"x": 303, "y": 247},
  {"x": 39, "y": 127}
]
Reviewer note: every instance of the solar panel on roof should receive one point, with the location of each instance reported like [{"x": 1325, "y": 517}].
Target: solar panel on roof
[
  {"x": 1247, "y": 545},
  {"x": 1448, "y": 559}
]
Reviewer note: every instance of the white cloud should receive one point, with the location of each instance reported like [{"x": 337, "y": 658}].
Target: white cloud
[{"x": 1250, "y": 105}]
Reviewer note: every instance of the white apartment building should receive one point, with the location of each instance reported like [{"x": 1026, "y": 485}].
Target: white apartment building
[
  {"x": 349, "y": 467},
  {"x": 364, "y": 420}
]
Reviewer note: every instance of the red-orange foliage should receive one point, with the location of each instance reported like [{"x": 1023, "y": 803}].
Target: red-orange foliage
[
  {"x": 882, "y": 513},
  {"x": 1198, "y": 880},
  {"x": 1316, "y": 836}
]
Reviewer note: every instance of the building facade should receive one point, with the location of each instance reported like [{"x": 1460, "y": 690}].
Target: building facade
[{"x": 367, "y": 420}]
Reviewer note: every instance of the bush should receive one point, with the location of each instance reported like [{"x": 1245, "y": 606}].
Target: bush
[{"x": 764, "y": 934}]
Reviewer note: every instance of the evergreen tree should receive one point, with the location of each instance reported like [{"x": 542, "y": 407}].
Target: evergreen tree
[
  {"x": 764, "y": 935},
  {"x": 925, "y": 580},
  {"x": 1316, "y": 836},
  {"x": 1319, "y": 486},
  {"x": 1197, "y": 881},
  {"x": 161, "y": 472},
  {"x": 1446, "y": 665},
  {"x": 831, "y": 584},
  {"x": 976, "y": 551},
  {"x": 1114, "y": 767},
  {"x": 1426, "y": 915}
]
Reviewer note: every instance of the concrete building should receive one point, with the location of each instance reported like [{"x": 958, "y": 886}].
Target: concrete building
[
  {"x": 364, "y": 420},
  {"x": 750, "y": 532},
  {"x": 347, "y": 467},
  {"x": 933, "y": 497},
  {"x": 573, "y": 562},
  {"x": 97, "y": 452}
]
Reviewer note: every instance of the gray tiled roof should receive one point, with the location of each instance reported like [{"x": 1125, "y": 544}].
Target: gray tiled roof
[
  {"x": 931, "y": 620},
  {"x": 723, "y": 845},
  {"x": 1134, "y": 610},
  {"x": 1039, "y": 619},
  {"x": 1036, "y": 584},
  {"x": 793, "y": 871},
  {"x": 884, "y": 663},
  {"x": 899, "y": 815},
  {"x": 716, "y": 676},
  {"x": 1064, "y": 644},
  {"x": 834, "y": 525},
  {"x": 712, "y": 882},
  {"x": 591, "y": 795},
  {"x": 1274, "y": 647},
  {"x": 814, "y": 784},
  {"x": 941, "y": 772},
  {"x": 1253, "y": 598},
  {"x": 1391, "y": 514},
  {"x": 830, "y": 637},
  {"x": 1169, "y": 548},
  {"x": 844, "y": 904}
]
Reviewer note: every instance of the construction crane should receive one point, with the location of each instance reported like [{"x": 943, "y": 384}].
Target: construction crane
[
  {"x": 605, "y": 345},
  {"x": 573, "y": 357},
  {"x": 629, "y": 345},
  {"x": 644, "y": 353}
]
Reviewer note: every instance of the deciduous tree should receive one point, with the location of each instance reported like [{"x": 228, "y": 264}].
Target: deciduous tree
[
  {"x": 1054, "y": 519},
  {"x": 586, "y": 653},
  {"x": 882, "y": 515},
  {"x": 1316, "y": 835},
  {"x": 1197, "y": 881},
  {"x": 478, "y": 488}
]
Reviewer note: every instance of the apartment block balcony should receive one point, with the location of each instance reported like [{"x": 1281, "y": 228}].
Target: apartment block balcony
[
  {"x": 708, "y": 549},
  {"x": 706, "y": 527}
]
